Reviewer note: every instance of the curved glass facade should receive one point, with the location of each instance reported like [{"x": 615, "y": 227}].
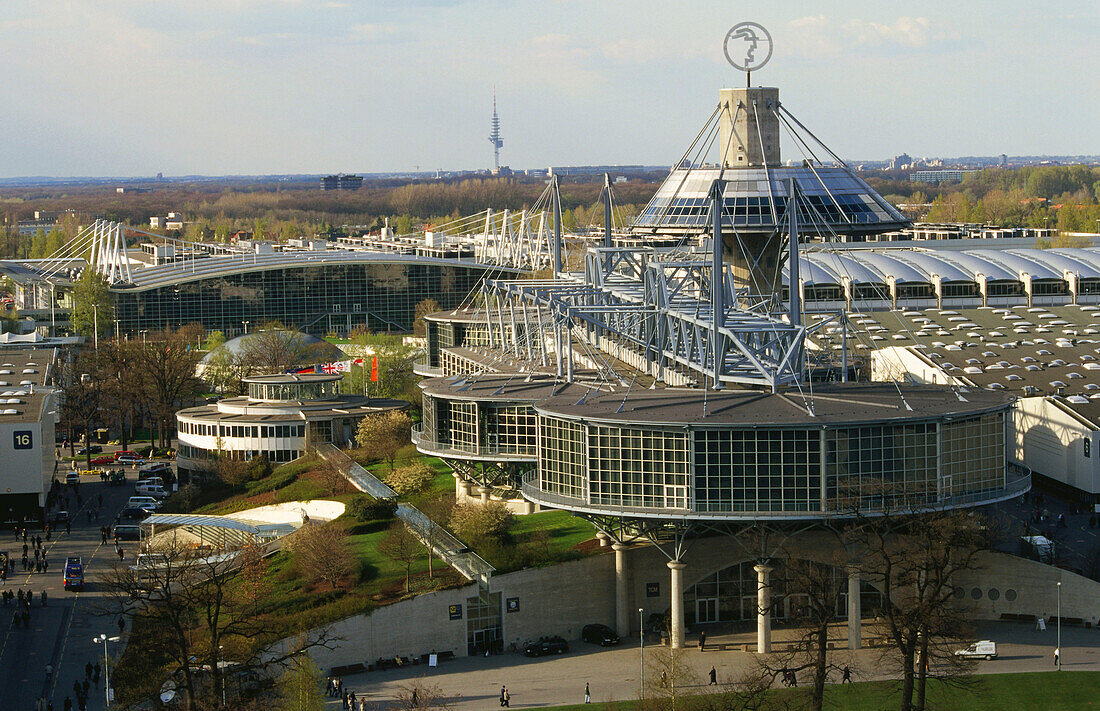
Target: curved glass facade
[
  {"x": 832, "y": 469},
  {"x": 484, "y": 428},
  {"x": 316, "y": 299}
]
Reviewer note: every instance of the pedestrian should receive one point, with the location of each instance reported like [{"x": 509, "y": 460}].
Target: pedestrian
[
  {"x": 43, "y": 598},
  {"x": 121, "y": 625},
  {"x": 587, "y": 694},
  {"x": 702, "y": 640},
  {"x": 503, "y": 696},
  {"x": 88, "y": 670},
  {"x": 351, "y": 701},
  {"x": 121, "y": 553},
  {"x": 847, "y": 679},
  {"x": 37, "y": 566},
  {"x": 103, "y": 534},
  {"x": 344, "y": 700},
  {"x": 4, "y": 575},
  {"x": 507, "y": 697},
  {"x": 38, "y": 540},
  {"x": 76, "y": 689},
  {"x": 49, "y": 672},
  {"x": 1057, "y": 653},
  {"x": 68, "y": 527},
  {"x": 415, "y": 701},
  {"x": 67, "y": 705},
  {"x": 48, "y": 531},
  {"x": 87, "y": 683},
  {"x": 45, "y": 565},
  {"x": 713, "y": 677}
]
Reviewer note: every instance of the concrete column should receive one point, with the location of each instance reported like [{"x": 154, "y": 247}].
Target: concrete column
[
  {"x": 855, "y": 611},
  {"x": 528, "y": 507},
  {"x": 676, "y": 633},
  {"x": 484, "y": 493},
  {"x": 463, "y": 491},
  {"x": 622, "y": 613},
  {"x": 763, "y": 609}
]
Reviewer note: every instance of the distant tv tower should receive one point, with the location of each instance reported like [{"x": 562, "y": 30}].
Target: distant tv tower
[{"x": 494, "y": 135}]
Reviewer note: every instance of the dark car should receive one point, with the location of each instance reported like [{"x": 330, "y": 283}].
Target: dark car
[
  {"x": 599, "y": 634},
  {"x": 92, "y": 449},
  {"x": 132, "y": 514},
  {"x": 127, "y": 532},
  {"x": 546, "y": 645}
]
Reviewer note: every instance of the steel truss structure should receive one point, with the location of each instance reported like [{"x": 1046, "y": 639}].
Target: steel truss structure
[{"x": 680, "y": 320}]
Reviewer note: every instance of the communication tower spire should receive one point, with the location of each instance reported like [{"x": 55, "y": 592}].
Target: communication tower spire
[{"x": 494, "y": 135}]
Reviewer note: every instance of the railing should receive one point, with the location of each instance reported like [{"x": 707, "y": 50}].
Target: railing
[
  {"x": 438, "y": 539},
  {"x": 421, "y": 366},
  {"x": 480, "y": 451},
  {"x": 1014, "y": 486}
]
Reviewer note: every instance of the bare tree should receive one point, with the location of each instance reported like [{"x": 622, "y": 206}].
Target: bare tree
[
  {"x": 322, "y": 554},
  {"x": 197, "y": 605},
  {"x": 423, "y": 694},
  {"x": 401, "y": 546},
  {"x": 914, "y": 560},
  {"x": 118, "y": 369},
  {"x": 667, "y": 676},
  {"x": 273, "y": 349},
  {"x": 169, "y": 361}
]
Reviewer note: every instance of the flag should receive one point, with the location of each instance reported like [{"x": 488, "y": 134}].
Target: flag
[
  {"x": 374, "y": 369},
  {"x": 340, "y": 366},
  {"x": 307, "y": 369}
]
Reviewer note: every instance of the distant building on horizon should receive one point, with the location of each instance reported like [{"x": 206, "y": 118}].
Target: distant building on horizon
[
  {"x": 938, "y": 176},
  {"x": 341, "y": 182}
]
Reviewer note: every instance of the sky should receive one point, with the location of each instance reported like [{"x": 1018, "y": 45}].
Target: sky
[{"x": 215, "y": 87}]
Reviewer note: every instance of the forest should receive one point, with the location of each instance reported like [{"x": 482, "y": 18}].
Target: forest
[{"x": 1065, "y": 197}]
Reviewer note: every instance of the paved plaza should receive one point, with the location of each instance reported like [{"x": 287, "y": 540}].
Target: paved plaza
[{"x": 613, "y": 673}]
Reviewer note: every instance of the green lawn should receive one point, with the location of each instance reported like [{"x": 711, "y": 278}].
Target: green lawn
[
  {"x": 1036, "y": 691},
  {"x": 565, "y": 529}
]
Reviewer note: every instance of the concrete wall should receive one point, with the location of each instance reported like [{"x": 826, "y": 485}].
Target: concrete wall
[
  {"x": 556, "y": 600},
  {"x": 562, "y": 599}
]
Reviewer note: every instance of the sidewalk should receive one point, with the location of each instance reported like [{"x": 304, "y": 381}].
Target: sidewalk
[{"x": 614, "y": 672}]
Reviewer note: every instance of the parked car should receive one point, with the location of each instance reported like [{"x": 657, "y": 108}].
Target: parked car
[
  {"x": 985, "y": 649},
  {"x": 126, "y": 453},
  {"x": 103, "y": 460},
  {"x": 152, "y": 490},
  {"x": 132, "y": 514},
  {"x": 546, "y": 645},
  {"x": 599, "y": 634},
  {"x": 139, "y": 500},
  {"x": 72, "y": 477},
  {"x": 149, "y": 480},
  {"x": 127, "y": 532},
  {"x": 154, "y": 468},
  {"x": 90, "y": 449},
  {"x": 134, "y": 459},
  {"x": 73, "y": 577}
]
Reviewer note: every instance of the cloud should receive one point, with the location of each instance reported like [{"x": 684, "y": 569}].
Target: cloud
[
  {"x": 374, "y": 31},
  {"x": 816, "y": 35}
]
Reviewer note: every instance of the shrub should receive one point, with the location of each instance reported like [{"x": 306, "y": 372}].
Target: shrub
[
  {"x": 363, "y": 508},
  {"x": 410, "y": 479},
  {"x": 478, "y": 522}
]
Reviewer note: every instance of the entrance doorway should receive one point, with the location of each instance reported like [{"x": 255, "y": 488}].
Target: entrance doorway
[{"x": 706, "y": 610}]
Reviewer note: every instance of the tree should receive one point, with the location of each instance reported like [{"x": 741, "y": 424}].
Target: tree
[
  {"x": 914, "y": 559},
  {"x": 423, "y": 694},
  {"x": 81, "y": 397},
  {"x": 425, "y": 307},
  {"x": 92, "y": 304},
  {"x": 384, "y": 434},
  {"x": 199, "y": 607},
  {"x": 118, "y": 371},
  {"x": 273, "y": 349},
  {"x": 816, "y": 591},
  {"x": 224, "y": 371},
  {"x": 401, "y": 546},
  {"x": 321, "y": 553},
  {"x": 668, "y": 676},
  {"x": 475, "y": 521},
  {"x": 331, "y": 476},
  {"x": 301, "y": 686},
  {"x": 410, "y": 479},
  {"x": 169, "y": 364}
]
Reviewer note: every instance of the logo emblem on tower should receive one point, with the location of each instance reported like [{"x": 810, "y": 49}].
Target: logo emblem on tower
[{"x": 748, "y": 46}]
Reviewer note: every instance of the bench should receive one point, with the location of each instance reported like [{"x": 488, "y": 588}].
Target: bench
[
  {"x": 347, "y": 669},
  {"x": 1017, "y": 617}
]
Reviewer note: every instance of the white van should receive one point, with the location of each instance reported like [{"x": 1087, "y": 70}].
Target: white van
[
  {"x": 155, "y": 490},
  {"x": 147, "y": 480},
  {"x": 985, "y": 649},
  {"x": 142, "y": 501}
]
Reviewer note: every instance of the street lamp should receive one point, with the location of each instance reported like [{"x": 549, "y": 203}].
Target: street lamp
[
  {"x": 106, "y": 667},
  {"x": 641, "y": 655},
  {"x": 245, "y": 327},
  {"x": 1059, "y": 647}
]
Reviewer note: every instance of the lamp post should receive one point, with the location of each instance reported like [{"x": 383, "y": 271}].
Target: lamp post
[
  {"x": 1059, "y": 642},
  {"x": 245, "y": 327},
  {"x": 106, "y": 667},
  {"x": 641, "y": 656}
]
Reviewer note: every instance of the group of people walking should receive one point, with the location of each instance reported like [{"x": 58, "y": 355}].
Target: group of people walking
[{"x": 334, "y": 685}]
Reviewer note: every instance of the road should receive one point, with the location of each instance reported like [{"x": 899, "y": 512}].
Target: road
[
  {"x": 61, "y": 633},
  {"x": 474, "y": 682}
]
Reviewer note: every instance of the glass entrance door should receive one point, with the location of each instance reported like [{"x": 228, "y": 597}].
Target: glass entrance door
[{"x": 706, "y": 610}]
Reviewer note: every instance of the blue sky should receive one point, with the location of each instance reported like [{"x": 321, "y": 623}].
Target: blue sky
[{"x": 136, "y": 87}]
